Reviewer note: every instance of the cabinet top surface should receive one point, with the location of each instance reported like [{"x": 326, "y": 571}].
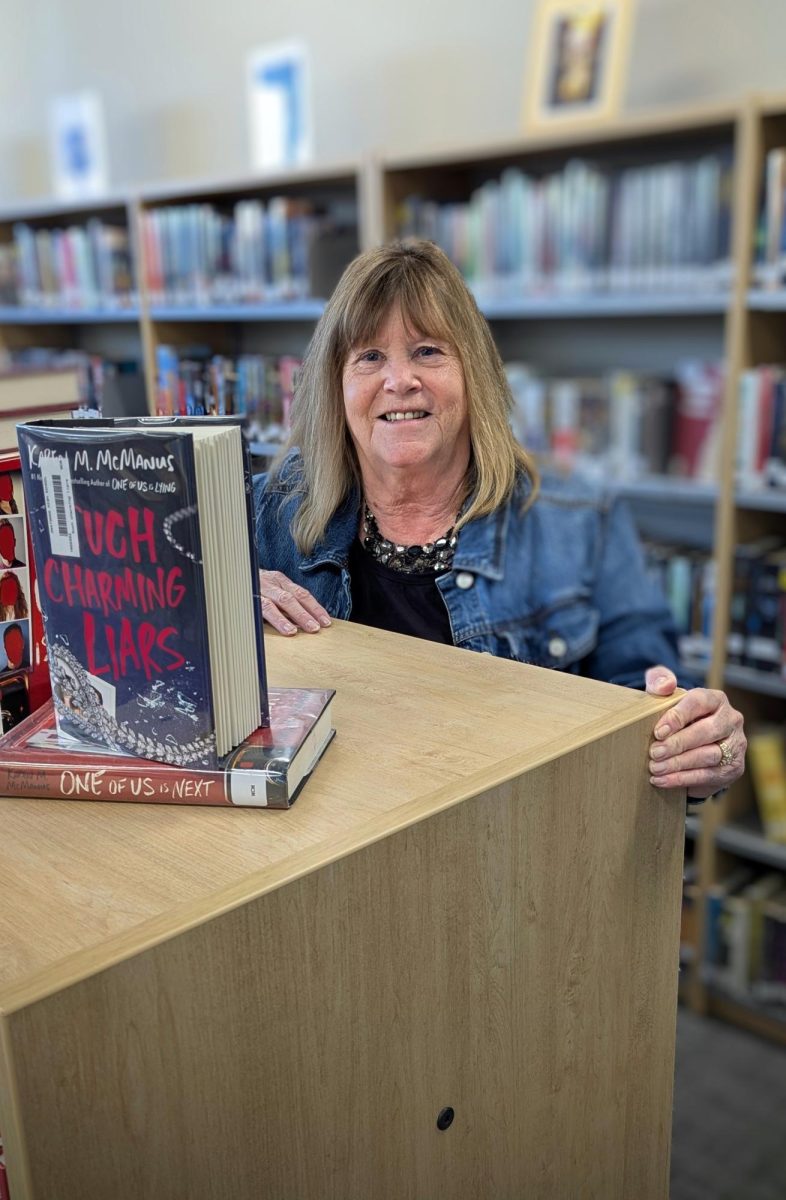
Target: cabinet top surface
[{"x": 419, "y": 726}]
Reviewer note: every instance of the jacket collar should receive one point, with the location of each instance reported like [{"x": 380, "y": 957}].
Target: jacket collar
[{"x": 480, "y": 548}]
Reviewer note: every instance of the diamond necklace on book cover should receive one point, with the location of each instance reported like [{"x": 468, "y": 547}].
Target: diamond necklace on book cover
[{"x": 148, "y": 583}]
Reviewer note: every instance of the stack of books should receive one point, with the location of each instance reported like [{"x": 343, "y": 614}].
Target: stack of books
[{"x": 149, "y": 587}]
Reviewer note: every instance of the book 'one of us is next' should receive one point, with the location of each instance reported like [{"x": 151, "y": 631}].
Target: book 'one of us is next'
[
  {"x": 147, "y": 575},
  {"x": 267, "y": 770}
]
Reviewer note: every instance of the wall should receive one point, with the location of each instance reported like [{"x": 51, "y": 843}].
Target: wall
[{"x": 401, "y": 75}]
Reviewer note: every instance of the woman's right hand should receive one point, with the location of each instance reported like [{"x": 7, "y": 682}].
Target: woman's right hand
[{"x": 288, "y": 607}]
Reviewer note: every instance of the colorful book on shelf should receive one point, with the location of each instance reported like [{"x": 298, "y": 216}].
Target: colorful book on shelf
[
  {"x": 697, "y": 416},
  {"x": 767, "y": 757},
  {"x": 143, "y": 543},
  {"x": 267, "y": 770}
]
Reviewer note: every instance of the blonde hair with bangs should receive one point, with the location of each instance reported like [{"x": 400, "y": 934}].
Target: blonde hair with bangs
[{"x": 420, "y": 280}]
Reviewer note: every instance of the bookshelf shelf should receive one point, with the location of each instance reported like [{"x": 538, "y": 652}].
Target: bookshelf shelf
[
  {"x": 756, "y": 1008},
  {"x": 9, "y": 315},
  {"x": 762, "y": 682},
  {"x": 766, "y": 500},
  {"x": 294, "y": 310},
  {"x": 668, "y": 490},
  {"x": 747, "y": 841},
  {"x": 634, "y": 304},
  {"x": 761, "y": 300}
]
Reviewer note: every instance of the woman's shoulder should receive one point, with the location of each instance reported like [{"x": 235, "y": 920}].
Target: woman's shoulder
[{"x": 559, "y": 491}]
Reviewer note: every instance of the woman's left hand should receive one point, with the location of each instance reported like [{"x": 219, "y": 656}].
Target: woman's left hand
[{"x": 699, "y": 743}]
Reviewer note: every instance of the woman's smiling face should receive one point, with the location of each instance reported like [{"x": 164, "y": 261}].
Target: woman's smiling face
[{"x": 405, "y": 401}]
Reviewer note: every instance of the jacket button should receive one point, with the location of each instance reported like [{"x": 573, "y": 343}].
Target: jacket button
[
  {"x": 464, "y": 580},
  {"x": 558, "y": 647}
]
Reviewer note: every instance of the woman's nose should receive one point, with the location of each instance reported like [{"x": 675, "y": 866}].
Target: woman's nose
[{"x": 400, "y": 375}]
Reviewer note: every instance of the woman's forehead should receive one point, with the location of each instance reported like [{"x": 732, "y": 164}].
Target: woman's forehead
[{"x": 419, "y": 320}]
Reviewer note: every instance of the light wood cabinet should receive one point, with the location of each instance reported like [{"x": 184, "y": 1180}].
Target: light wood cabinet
[{"x": 474, "y": 905}]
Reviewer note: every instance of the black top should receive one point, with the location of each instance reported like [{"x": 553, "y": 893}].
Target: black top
[{"x": 396, "y": 600}]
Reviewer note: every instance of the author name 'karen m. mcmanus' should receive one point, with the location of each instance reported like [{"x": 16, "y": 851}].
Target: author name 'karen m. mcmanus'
[{"x": 107, "y": 459}]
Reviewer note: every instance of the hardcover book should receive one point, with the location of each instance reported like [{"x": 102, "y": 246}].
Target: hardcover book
[
  {"x": 267, "y": 770},
  {"x": 148, "y": 583}
]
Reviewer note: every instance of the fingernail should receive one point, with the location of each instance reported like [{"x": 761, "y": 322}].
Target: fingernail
[
  {"x": 288, "y": 628},
  {"x": 660, "y": 679},
  {"x": 312, "y": 626},
  {"x": 654, "y": 781},
  {"x": 325, "y": 621},
  {"x": 658, "y": 752},
  {"x": 662, "y": 731}
]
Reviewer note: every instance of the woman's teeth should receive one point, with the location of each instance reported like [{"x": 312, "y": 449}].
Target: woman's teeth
[{"x": 404, "y": 416}]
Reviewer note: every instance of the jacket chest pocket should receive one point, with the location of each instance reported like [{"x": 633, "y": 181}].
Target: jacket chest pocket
[{"x": 558, "y": 637}]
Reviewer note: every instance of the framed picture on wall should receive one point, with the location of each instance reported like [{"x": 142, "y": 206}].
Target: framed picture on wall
[{"x": 577, "y": 62}]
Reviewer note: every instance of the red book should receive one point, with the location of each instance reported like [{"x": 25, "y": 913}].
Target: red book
[
  {"x": 697, "y": 415},
  {"x": 267, "y": 770},
  {"x": 23, "y": 658},
  {"x": 4, "y": 1193}
]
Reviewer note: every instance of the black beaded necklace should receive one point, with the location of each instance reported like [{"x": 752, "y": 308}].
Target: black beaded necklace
[{"x": 434, "y": 556}]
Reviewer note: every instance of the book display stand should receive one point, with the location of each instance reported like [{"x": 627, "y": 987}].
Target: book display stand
[{"x": 450, "y": 968}]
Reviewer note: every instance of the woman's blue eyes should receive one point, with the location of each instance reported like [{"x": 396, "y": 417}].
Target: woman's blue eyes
[{"x": 372, "y": 356}]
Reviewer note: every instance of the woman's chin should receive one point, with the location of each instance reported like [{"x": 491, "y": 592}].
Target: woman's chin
[{"x": 409, "y": 458}]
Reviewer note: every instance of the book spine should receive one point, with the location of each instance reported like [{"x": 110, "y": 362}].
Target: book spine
[{"x": 139, "y": 781}]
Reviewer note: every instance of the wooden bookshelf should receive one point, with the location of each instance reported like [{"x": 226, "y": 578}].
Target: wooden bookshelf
[
  {"x": 67, "y": 309},
  {"x": 337, "y": 202}
]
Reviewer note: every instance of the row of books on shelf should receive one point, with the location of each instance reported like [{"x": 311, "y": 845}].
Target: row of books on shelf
[
  {"x": 769, "y": 257},
  {"x": 622, "y": 425},
  {"x": 81, "y": 267},
  {"x": 757, "y": 629},
  {"x": 587, "y": 228},
  {"x": 257, "y": 252},
  {"x": 745, "y": 936},
  {"x": 687, "y": 579},
  {"x": 744, "y": 950},
  {"x": 761, "y": 428},
  {"x": 260, "y": 388}
]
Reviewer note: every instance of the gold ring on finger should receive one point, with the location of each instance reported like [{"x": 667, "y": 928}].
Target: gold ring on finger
[{"x": 727, "y": 754}]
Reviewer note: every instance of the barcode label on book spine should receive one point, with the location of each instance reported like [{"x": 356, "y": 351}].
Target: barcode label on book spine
[
  {"x": 59, "y": 501},
  {"x": 249, "y": 788}
]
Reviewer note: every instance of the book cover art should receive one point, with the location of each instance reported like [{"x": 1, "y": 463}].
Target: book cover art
[
  {"x": 113, "y": 515},
  {"x": 266, "y": 771},
  {"x": 21, "y": 624}
]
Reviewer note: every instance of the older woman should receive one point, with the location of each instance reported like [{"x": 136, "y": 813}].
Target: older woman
[{"x": 404, "y": 502}]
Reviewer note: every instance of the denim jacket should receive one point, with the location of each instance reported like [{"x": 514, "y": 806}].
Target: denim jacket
[{"x": 561, "y": 584}]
